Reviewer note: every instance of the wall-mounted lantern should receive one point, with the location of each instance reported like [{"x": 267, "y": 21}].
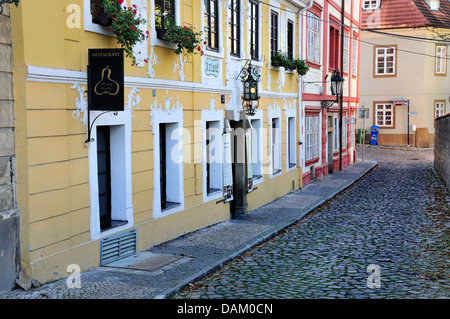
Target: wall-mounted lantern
[
  {"x": 251, "y": 76},
  {"x": 16, "y": 2},
  {"x": 337, "y": 82}
]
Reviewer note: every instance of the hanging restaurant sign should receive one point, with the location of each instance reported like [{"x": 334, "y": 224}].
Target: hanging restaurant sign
[{"x": 106, "y": 80}]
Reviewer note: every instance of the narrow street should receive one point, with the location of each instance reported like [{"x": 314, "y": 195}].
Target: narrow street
[{"x": 393, "y": 223}]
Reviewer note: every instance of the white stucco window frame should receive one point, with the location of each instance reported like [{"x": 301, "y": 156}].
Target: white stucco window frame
[
  {"x": 153, "y": 38},
  {"x": 121, "y": 185},
  {"x": 213, "y": 116},
  {"x": 259, "y": 62},
  {"x": 274, "y": 114},
  {"x": 209, "y": 52},
  {"x": 174, "y": 116},
  {"x": 291, "y": 149},
  {"x": 257, "y": 147}
]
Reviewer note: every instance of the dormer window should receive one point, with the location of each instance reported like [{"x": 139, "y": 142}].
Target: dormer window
[
  {"x": 433, "y": 4},
  {"x": 371, "y": 4}
]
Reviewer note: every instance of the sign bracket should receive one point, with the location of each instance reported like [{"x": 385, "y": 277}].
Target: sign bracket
[{"x": 89, "y": 138}]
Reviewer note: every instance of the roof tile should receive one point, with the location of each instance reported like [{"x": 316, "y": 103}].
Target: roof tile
[{"x": 406, "y": 14}]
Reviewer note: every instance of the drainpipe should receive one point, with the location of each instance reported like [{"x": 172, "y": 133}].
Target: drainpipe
[
  {"x": 301, "y": 57},
  {"x": 342, "y": 95}
]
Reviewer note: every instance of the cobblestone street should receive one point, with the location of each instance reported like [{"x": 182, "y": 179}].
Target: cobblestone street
[{"x": 394, "y": 222}]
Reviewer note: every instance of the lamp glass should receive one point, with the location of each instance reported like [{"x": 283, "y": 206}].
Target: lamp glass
[{"x": 336, "y": 83}]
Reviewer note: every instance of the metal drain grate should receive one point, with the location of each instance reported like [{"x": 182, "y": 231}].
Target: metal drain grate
[{"x": 117, "y": 246}]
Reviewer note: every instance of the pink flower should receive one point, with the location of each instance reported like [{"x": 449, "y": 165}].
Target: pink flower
[
  {"x": 120, "y": 1},
  {"x": 115, "y": 19},
  {"x": 188, "y": 38}
]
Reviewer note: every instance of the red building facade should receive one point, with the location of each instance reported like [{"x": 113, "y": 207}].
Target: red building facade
[{"x": 331, "y": 31}]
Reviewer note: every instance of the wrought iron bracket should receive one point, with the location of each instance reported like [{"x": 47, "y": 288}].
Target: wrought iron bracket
[
  {"x": 327, "y": 103},
  {"x": 89, "y": 138}
]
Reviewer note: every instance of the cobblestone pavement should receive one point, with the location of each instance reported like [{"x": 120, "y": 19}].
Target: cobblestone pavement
[{"x": 394, "y": 222}]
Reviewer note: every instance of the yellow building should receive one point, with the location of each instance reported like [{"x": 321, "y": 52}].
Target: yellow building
[{"x": 144, "y": 178}]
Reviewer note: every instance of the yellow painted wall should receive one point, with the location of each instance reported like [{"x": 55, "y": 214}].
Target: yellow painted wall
[{"x": 52, "y": 157}]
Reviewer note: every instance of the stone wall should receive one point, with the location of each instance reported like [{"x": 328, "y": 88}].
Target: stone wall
[
  {"x": 9, "y": 217},
  {"x": 442, "y": 148}
]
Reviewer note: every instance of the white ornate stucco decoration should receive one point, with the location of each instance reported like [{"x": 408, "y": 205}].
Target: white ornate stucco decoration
[
  {"x": 180, "y": 66},
  {"x": 133, "y": 100},
  {"x": 212, "y": 103},
  {"x": 81, "y": 103},
  {"x": 269, "y": 78},
  {"x": 152, "y": 60},
  {"x": 168, "y": 111},
  {"x": 140, "y": 49},
  {"x": 273, "y": 110},
  {"x": 281, "y": 78},
  {"x": 291, "y": 106},
  {"x": 229, "y": 105}
]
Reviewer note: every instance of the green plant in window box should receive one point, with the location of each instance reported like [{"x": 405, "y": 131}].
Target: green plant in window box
[
  {"x": 300, "y": 66},
  {"x": 125, "y": 24},
  {"x": 281, "y": 59},
  {"x": 184, "y": 37}
]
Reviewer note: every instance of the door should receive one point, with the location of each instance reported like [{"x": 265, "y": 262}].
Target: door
[
  {"x": 330, "y": 152},
  {"x": 104, "y": 175}
]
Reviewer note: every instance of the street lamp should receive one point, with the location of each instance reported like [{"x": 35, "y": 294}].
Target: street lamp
[
  {"x": 16, "y": 2},
  {"x": 337, "y": 82}
]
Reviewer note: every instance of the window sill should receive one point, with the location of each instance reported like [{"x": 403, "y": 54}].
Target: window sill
[
  {"x": 215, "y": 54},
  {"x": 113, "y": 224},
  {"x": 257, "y": 63},
  {"x": 213, "y": 191},
  {"x": 312, "y": 161},
  {"x": 278, "y": 171},
  {"x": 170, "y": 205},
  {"x": 314, "y": 65}
]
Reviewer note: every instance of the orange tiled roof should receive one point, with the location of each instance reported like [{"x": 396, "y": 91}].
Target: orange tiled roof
[{"x": 406, "y": 14}]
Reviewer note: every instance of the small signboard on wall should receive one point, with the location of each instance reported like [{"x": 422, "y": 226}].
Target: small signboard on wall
[
  {"x": 106, "y": 80},
  {"x": 227, "y": 169}
]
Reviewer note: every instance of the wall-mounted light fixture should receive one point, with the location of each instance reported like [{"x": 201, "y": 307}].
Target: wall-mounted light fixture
[
  {"x": 337, "y": 82},
  {"x": 250, "y": 77},
  {"x": 16, "y": 2}
]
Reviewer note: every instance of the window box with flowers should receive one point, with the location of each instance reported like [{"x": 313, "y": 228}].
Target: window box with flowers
[
  {"x": 280, "y": 59},
  {"x": 125, "y": 24},
  {"x": 185, "y": 38}
]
